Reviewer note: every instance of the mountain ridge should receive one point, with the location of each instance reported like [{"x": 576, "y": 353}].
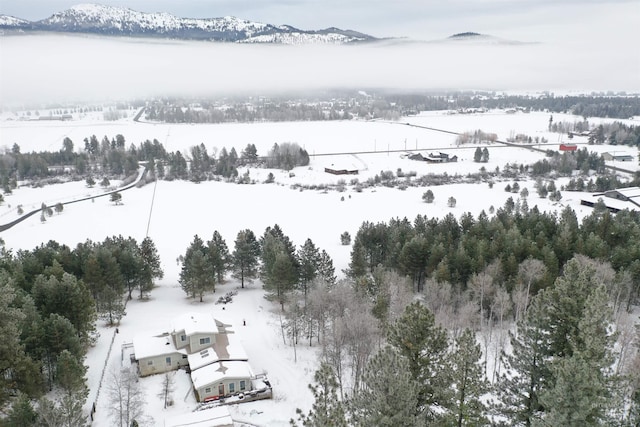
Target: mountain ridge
[{"x": 98, "y": 19}]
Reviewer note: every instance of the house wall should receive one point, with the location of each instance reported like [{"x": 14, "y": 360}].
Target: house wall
[
  {"x": 194, "y": 341},
  {"x": 158, "y": 364},
  {"x": 177, "y": 339},
  {"x": 213, "y": 389}
]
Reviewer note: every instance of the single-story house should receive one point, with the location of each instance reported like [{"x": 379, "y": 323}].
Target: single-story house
[
  {"x": 221, "y": 379},
  {"x": 434, "y": 158},
  {"x": 617, "y": 157},
  {"x": 218, "y": 416},
  {"x": 157, "y": 354},
  {"x": 341, "y": 171}
]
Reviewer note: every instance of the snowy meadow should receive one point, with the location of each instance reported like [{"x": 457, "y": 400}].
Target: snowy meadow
[{"x": 171, "y": 213}]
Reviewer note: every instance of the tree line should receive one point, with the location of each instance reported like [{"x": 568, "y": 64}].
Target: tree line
[
  {"x": 51, "y": 298},
  {"x": 111, "y": 159}
]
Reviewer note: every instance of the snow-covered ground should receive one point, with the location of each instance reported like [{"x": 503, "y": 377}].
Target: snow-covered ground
[{"x": 173, "y": 212}]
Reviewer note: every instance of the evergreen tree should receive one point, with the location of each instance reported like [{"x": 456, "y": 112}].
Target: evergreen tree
[
  {"x": 428, "y": 196},
  {"x": 22, "y": 413},
  {"x": 470, "y": 382},
  {"x": 583, "y": 382},
  {"x": 281, "y": 279},
  {"x": 477, "y": 155},
  {"x": 326, "y": 270},
  {"x": 197, "y": 273},
  {"x": 424, "y": 345},
  {"x": 309, "y": 258},
  {"x": 150, "y": 265},
  {"x": 218, "y": 256},
  {"x": 526, "y": 372},
  {"x": 111, "y": 306},
  {"x": 390, "y": 393},
  {"x": 70, "y": 375},
  {"x": 245, "y": 256},
  {"x": 327, "y": 409}
]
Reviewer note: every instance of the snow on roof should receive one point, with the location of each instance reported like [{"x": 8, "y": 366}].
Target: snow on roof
[
  {"x": 613, "y": 203},
  {"x": 218, "y": 416},
  {"x": 194, "y": 323},
  {"x": 219, "y": 371},
  {"x": 629, "y": 191},
  {"x": 151, "y": 346},
  {"x": 226, "y": 348}
]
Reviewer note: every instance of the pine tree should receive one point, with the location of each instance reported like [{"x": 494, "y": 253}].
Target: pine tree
[
  {"x": 390, "y": 393},
  {"x": 470, "y": 382},
  {"x": 22, "y": 413},
  {"x": 197, "y": 274},
  {"x": 218, "y": 256},
  {"x": 111, "y": 306},
  {"x": 327, "y": 409},
  {"x": 245, "y": 256},
  {"x": 309, "y": 258},
  {"x": 477, "y": 155},
  {"x": 150, "y": 265},
  {"x": 526, "y": 369},
  {"x": 70, "y": 375},
  {"x": 583, "y": 381},
  {"x": 424, "y": 345}
]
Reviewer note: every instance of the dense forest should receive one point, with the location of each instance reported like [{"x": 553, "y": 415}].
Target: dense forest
[{"x": 51, "y": 298}]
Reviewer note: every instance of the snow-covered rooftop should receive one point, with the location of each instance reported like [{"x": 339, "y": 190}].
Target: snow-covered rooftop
[
  {"x": 226, "y": 348},
  {"x": 194, "y": 323},
  {"x": 218, "y": 371},
  {"x": 154, "y": 345}
]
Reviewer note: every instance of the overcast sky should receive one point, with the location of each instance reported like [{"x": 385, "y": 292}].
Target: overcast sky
[
  {"x": 585, "y": 45},
  {"x": 526, "y": 20}
]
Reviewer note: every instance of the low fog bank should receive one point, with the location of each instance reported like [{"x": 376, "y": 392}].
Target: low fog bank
[{"x": 57, "y": 68}]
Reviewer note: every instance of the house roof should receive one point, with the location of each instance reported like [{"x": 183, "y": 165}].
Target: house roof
[
  {"x": 218, "y": 416},
  {"x": 226, "y": 348},
  {"x": 629, "y": 192},
  {"x": 219, "y": 371},
  {"x": 194, "y": 323},
  {"x": 154, "y": 345}
]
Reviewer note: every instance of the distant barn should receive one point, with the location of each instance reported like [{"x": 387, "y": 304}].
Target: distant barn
[
  {"x": 568, "y": 147},
  {"x": 341, "y": 171}
]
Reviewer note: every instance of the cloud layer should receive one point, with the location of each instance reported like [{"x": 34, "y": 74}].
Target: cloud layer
[{"x": 69, "y": 68}]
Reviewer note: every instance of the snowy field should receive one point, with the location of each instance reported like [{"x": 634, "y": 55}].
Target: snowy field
[{"x": 173, "y": 212}]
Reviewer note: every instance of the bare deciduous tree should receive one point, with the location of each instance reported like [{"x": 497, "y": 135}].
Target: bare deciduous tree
[{"x": 126, "y": 397}]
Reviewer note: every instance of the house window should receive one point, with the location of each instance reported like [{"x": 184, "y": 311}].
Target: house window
[
  {"x": 206, "y": 340},
  {"x": 184, "y": 356},
  {"x": 149, "y": 362},
  {"x": 243, "y": 385},
  {"x": 207, "y": 390},
  {"x": 168, "y": 361},
  {"x": 183, "y": 338},
  {"x": 232, "y": 387}
]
